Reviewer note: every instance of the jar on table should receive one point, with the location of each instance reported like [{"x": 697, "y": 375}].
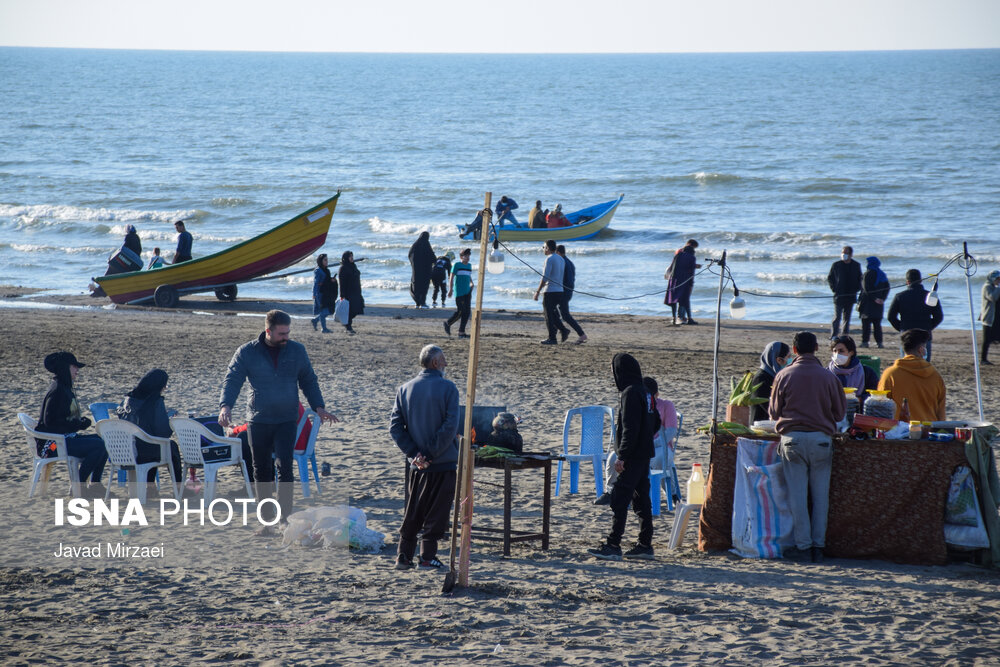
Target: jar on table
[
  {"x": 880, "y": 405},
  {"x": 916, "y": 430}
]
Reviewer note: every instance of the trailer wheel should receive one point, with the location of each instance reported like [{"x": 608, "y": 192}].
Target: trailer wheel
[
  {"x": 227, "y": 293},
  {"x": 166, "y": 296}
]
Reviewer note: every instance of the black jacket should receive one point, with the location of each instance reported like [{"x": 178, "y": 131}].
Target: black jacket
[
  {"x": 350, "y": 287},
  {"x": 909, "y": 311},
  {"x": 845, "y": 279},
  {"x": 869, "y": 292},
  {"x": 758, "y": 413},
  {"x": 57, "y": 410},
  {"x": 133, "y": 243},
  {"x": 638, "y": 420},
  {"x": 149, "y": 414}
]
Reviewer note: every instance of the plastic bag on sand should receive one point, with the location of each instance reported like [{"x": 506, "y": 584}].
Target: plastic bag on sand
[
  {"x": 329, "y": 527},
  {"x": 762, "y": 522},
  {"x": 963, "y": 524}
]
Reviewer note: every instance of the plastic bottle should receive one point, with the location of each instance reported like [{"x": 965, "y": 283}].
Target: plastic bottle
[
  {"x": 696, "y": 486},
  {"x": 904, "y": 410}
]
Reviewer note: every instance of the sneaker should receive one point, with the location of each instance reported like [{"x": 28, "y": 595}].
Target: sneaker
[
  {"x": 986, "y": 362},
  {"x": 796, "y": 555},
  {"x": 863, "y": 345},
  {"x": 447, "y": 328},
  {"x": 462, "y": 334},
  {"x": 430, "y": 564},
  {"x": 563, "y": 335},
  {"x": 606, "y": 552},
  {"x": 403, "y": 562},
  {"x": 327, "y": 330},
  {"x": 314, "y": 323},
  {"x": 582, "y": 339},
  {"x": 816, "y": 554},
  {"x": 690, "y": 321},
  {"x": 434, "y": 304},
  {"x": 96, "y": 490},
  {"x": 548, "y": 342},
  {"x": 349, "y": 328},
  {"x": 640, "y": 551},
  {"x": 603, "y": 499},
  {"x": 879, "y": 346}
]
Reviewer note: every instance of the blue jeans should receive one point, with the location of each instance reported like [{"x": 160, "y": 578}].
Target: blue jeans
[
  {"x": 508, "y": 216},
  {"x": 806, "y": 458}
]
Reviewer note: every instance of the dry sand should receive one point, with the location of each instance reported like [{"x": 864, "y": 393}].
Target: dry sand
[{"x": 226, "y": 595}]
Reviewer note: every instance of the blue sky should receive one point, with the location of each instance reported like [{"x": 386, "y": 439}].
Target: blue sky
[{"x": 514, "y": 26}]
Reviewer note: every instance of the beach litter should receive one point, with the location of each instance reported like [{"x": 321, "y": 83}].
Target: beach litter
[{"x": 330, "y": 527}]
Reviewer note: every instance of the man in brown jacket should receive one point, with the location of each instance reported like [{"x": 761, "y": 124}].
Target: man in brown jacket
[{"x": 807, "y": 401}]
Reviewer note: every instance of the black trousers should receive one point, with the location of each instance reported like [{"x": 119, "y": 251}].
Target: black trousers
[
  {"x": 464, "y": 305},
  {"x": 428, "y": 510},
  {"x": 564, "y": 313},
  {"x": 147, "y": 451},
  {"x": 632, "y": 487},
  {"x": 842, "y": 307},
  {"x": 550, "y": 302},
  {"x": 869, "y": 326},
  {"x": 278, "y": 440},
  {"x": 440, "y": 284}
]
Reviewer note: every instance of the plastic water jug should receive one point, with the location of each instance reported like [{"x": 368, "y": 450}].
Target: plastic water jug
[{"x": 696, "y": 486}]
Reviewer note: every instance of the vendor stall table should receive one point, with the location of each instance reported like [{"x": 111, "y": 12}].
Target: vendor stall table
[
  {"x": 887, "y": 498},
  {"x": 525, "y": 461}
]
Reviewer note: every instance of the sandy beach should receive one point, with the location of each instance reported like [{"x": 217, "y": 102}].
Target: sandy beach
[{"x": 227, "y": 595}]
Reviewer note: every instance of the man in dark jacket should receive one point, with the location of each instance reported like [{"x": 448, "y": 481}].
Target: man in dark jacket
[
  {"x": 424, "y": 425},
  {"x": 638, "y": 422},
  {"x": 569, "y": 282},
  {"x": 845, "y": 283},
  {"x": 807, "y": 401},
  {"x": 909, "y": 310},
  {"x": 276, "y": 369},
  {"x": 184, "y": 242}
]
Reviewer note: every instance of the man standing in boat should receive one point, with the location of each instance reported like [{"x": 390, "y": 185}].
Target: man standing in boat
[
  {"x": 505, "y": 211},
  {"x": 184, "y": 240}
]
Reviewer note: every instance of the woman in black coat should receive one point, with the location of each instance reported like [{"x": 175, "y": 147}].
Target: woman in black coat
[
  {"x": 350, "y": 287},
  {"x": 422, "y": 260},
  {"x": 874, "y": 292},
  {"x": 61, "y": 414},
  {"x": 144, "y": 407}
]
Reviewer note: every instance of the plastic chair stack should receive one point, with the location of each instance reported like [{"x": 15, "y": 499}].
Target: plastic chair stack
[
  {"x": 42, "y": 465},
  {"x": 191, "y": 437},
  {"x": 592, "y": 429},
  {"x": 119, "y": 439}
]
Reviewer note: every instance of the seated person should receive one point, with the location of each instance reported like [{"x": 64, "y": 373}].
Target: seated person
[
  {"x": 557, "y": 219},
  {"x": 504, "y": 211},
  {"x": 474, "y": 227},
  {"x": 916, "y": 380},
  {"x": 504, "y": 433},
  {"x": 845, "y": 365},
  {"x": 536, "y": 217},
  {"x": 156, "y": 261},
  {"x": 61, "y": 414},
  {"x": 666, "y": 437},
  {"x": 772, "y": 359},
  {"x": 144, "y": 407}
]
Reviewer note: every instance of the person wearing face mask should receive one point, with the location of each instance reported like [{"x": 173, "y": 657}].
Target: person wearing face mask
[
  {"x": 845, "y": 365},
  {"x": 845, "y": 283},
  {"x": 772, "y": 359}
]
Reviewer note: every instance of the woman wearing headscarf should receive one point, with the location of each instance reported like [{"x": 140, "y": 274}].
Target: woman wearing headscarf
[
  {"x": 132, "y": 241},
  {"x": 422, "y": 260},
  {"x": 61, "y": 414},
  {"x": 874, "y": 292},
  {"x": 324, "y": 293},
  {"x": 772, "y": 359},
  {"x": 144, "y": 407},
  {"x": 350, "y": 287},
  {"x": 844, "y": 363},
  {"x": 988, "y": 314},
  {"x": 680, "y": 282}
]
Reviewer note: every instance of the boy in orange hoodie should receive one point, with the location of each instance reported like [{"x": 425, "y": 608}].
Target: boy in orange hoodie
[{"x": 916, "y": 380}]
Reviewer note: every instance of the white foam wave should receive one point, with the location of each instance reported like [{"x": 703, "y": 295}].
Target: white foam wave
[
  {"x": 146, "y": 234},
  {"x": 518, "y": 292},
  {"x": 49, "y": 213},
  {"x": 380, "y": 226},
  {"x": 791, "y": 277},
  {"x": 31, "y": 247},
  {"x": 395, "y": 285}
]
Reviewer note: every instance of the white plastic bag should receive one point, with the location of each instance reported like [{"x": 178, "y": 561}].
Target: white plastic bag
[
  {"x": 342, "y": 311},
  {"x": 762, "y": 522}
]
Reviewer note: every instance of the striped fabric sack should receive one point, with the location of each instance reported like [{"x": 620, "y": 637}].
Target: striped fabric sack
[{"x": 762, "y": 522}]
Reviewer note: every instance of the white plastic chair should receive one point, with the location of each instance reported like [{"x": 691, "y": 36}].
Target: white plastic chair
[
  {"x": 307, "y": 456},
  {"x": 663, "y": 471},
  {"x": 41, "y": 465},
  {"x": 592, "y": 421},
  {"x": 189, "y": 440},
  {"x": 119, "y": 439}
]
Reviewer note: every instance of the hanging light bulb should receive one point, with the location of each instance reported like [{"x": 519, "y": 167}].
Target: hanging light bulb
[
  {"x": 737, "y": 307},
  {"x": 495, "y": 260},
  {"x": 932, "y": 297}
]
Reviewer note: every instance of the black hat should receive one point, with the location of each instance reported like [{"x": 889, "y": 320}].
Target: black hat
[{"x": 58, "y": 360}]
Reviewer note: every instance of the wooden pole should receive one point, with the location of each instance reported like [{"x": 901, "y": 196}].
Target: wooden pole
[
  {"x": 715, "y": 350},
  {"x": 465, "y": 476}
]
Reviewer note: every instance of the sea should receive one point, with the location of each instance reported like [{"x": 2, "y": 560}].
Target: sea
[{"x": 777, "y": 159}]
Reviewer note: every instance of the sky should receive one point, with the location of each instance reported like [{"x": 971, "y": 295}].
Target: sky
[{"x": 511, "y": 26}]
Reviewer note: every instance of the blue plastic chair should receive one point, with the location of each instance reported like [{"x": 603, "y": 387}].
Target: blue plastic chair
[
  {"x": 307, "y": 456},
  {"x": 592, "y": 421},
  {"x": 663, "y": 472},
  {"x": 103, "y": 411}
]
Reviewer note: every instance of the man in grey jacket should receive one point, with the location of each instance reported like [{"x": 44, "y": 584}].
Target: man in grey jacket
[
  {"x": 424, "y": 425},
  {"x": 276, "y": 368}
]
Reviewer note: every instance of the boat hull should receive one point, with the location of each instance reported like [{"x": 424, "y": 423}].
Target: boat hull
[
  {"x": 601, "y": 215},
  {"x": 266, "y": 253}
]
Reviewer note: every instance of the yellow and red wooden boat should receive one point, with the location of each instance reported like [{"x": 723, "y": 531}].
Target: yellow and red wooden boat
[{"x": 266, "y": 253}]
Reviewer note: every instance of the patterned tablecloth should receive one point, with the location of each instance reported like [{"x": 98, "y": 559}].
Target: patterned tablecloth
[{"x": 887, "y": 498}]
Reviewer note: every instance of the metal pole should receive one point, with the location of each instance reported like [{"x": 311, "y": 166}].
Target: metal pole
[
  {"x": 715, "y": 355},
  {"x": 972, "y": 327}
]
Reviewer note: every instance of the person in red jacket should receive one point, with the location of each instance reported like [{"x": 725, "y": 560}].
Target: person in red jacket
[{"x": 556, "y": 218}]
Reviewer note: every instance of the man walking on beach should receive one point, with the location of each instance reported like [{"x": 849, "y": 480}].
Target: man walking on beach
[
  {"x": 845, "y": 283},
  {"x": 569, "y": 282},
  {"x": 638, "y": 423},
  {"x": 184, "y": 241},
  {"x": 552, "y": 285},
  {"x": 424, "y": 425},
  {"x": 461, "y": 287},
  {"x": 807, "y": 401},
  {"x": 276, "y": 369},
  {"x": 909, "y": 310}
]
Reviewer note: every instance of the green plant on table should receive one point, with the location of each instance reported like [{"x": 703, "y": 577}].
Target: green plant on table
[{"x": 741, "y": 393}]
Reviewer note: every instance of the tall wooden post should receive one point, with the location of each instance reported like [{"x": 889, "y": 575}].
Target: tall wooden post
[{"x": 465, "y": 475}]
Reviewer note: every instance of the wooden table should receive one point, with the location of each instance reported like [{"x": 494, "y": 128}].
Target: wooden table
[{"x": 508, "y": 535}]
